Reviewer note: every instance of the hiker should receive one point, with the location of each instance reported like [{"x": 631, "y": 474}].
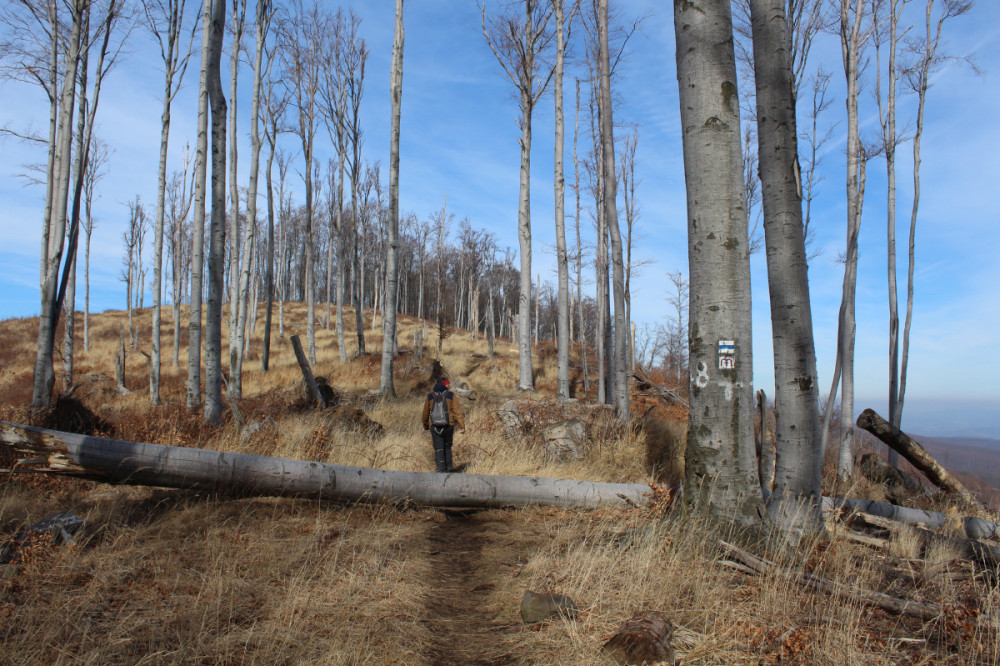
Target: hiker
[{"x": 441, "y": 414}]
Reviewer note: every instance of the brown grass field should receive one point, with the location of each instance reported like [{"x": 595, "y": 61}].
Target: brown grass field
[{"x": 167, "y": 576}]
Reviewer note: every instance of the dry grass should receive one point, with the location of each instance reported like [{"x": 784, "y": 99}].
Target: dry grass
[{"x": 168, "y": 576}]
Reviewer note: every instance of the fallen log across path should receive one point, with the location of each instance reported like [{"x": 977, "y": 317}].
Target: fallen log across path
[{"x": 136, "y": 463}]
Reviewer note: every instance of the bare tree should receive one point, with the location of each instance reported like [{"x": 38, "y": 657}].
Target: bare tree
[
  {"x": 132, "y": 239},
  {"x": 354, "y": 60},
  {"x": 60, "y": 228},
  {"x": 239, "y": 10},
  {"x": 609, "y": 167},
  {"x": 275, "y": 103},
  {"x": 852, "y": 37},
  {"x": 520, "y": 44},
  {"x": 677, "y": 334},
  {"x": 795, "y": 502},
  {"x": 165, "y": 20},
  {"x": 928, "y": 59},
  {"x": 261, "y": 25},
  {"x": 302, "y": 51},
  {"x": 217, "y": 244},
  {"x": 96, "y": 170},
  {"x": 386, "y": 388},
  {"x": 179, "y": 196},
  {"x": 563, "y": 342},
  {"x": 721, "y": 474},
  {"x": 579, "y": 247}
]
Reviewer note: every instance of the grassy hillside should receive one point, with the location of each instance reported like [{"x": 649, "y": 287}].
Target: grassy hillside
[{"x": 170, "y": 576}]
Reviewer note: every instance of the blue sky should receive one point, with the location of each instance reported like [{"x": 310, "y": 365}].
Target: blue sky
[{"x": 459, "y": 136}]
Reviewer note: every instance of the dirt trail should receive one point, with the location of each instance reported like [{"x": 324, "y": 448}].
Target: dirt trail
[{"x": 464, "y": 627}]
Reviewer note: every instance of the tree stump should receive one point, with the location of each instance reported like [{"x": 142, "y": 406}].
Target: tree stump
[{"x": 643, "y": 639}]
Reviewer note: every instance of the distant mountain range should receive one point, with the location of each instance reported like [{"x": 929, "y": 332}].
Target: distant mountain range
[{"x": 976, "y": 457}]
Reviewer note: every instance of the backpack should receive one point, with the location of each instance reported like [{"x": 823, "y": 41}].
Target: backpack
[{"x": 439, "y": 411}]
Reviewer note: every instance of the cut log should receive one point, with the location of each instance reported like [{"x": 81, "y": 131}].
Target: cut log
[
  {"x": 642, "y": 639},
  {"x": 117, "y": 461},
  {"x": 916, "y": 455},
  {"x": 307, "y": 373}
]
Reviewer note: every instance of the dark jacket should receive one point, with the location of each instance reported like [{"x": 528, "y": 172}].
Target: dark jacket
[{"x": 455, "y": 416}]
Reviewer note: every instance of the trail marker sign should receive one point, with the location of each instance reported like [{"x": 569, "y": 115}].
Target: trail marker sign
[{"x": 727, "y": 355}]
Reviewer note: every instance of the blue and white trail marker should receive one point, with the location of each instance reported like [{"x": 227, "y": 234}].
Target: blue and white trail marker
[{"x": 727, "y": 355}]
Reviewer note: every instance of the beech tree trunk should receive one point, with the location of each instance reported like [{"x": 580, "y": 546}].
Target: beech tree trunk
[
  {"x": 55, "y": 224},
  {"x": 134, "y": 463},
  {"x": 198, "y": 231},
  {"x": 386, "y": 388},
  {"x": 799, "y": 463},
  {"x": 851, "y": 42},
  {"x": 721, "y": 473},
  {"x": 217, "y": 251},
  {"x": 621, "y": 327}
]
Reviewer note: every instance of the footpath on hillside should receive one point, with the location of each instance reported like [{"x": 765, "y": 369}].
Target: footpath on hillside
[{"x": 470, "y": 553}]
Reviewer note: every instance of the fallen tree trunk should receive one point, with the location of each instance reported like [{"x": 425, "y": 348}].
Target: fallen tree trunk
[
  {"x": 974, "y": 528},
  {"x": 984, "y": 553},
  {"x": 916, "y": 455},
  {"x": 307, "y": 373},
  {"x": 898, "y": 605},
  {"x": 117, "y": 461}
]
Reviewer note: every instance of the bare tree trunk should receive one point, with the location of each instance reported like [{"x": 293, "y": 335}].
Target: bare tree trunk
[
  {"x": 579, "y": 249},
  {"x": 796, "y": 497},
  {"x": 233, "y": 268},
  {"x": 217, "y": 244},
  {"x": 386, "y": 388},
  {"x": 721, "y": 476},
  {"x": 440, "y": 273},
  {"x": 521, "y": 45},
  {"x": 265, "y": 355},
  {"x": 166, "y": 22},
  {"x": 887, "y": 119},
  {"x": 250, "y": 232},
  {"x": 622, "y": 407},
  {"x": 851, "y": 41},
  {"x": 55, "y": 225},
  {"x": 198, "y": 240}
]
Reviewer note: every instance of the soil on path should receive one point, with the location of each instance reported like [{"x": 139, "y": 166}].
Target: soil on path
[{"x": 465, "y": 627}]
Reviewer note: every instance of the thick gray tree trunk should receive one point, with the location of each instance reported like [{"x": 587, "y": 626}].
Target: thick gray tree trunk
[
  {"x": 795, "y": 500},
  {"x": 217, "y": 244},
  {"x": 721, "y": 473},
  {"x": 386, "y": 388}
]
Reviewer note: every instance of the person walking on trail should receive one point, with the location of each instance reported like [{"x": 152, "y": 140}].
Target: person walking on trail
[{"x": 441, "y": 414}]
